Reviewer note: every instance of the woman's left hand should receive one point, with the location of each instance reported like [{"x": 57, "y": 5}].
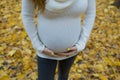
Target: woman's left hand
[{"x": 70, "y": 51}]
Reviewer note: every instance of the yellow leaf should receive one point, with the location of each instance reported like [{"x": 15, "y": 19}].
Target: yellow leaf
[
  {"x": 6, "y": 77},
  {"x": 11, "y": 53},
  {"x": 99, "y": 67}
]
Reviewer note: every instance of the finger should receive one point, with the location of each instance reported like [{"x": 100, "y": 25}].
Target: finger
[
  {"x": 70, "y": 53},
  {"x": 66, "y": 53},
  {"x": 72, "y": 48},
  {"x": 60, "y": 54},
  {"x": 55, "y": 55},
  {"x": 50, "y": 53}
]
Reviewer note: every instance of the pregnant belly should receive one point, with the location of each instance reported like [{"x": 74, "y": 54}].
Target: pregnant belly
[{"x": 59, "y": 39}]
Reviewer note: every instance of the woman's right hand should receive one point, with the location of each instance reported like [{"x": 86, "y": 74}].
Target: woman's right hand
[{"x": 49, "y": 52}]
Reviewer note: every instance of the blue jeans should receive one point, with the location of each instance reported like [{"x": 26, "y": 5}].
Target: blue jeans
[{"x": 47, "y": 67}]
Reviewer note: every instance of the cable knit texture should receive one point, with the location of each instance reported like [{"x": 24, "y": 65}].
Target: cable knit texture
[
  {"x": 58, "y": 5},
  {"x": 59, "y": 30}
]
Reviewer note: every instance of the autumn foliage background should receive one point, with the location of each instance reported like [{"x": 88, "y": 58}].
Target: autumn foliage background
[{"x": 100, "y": 60}]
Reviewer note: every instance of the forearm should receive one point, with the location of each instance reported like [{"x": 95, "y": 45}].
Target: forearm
[
  {"x": 87, "y": 25},
  {"x": 27, "y": 14}
]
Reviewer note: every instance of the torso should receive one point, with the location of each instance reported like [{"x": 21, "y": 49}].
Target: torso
[{"x": 60, "y": 31}]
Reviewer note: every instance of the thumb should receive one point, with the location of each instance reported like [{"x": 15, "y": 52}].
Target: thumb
[
  {"x": 50, "y": 51},
  {"x": 72, "y": 48}
]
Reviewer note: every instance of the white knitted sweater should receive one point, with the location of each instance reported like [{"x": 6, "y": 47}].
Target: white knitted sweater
[{"x": 58, "y": 31}]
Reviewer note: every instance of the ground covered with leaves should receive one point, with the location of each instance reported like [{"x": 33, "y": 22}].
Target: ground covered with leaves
[{"x": 100, "y": 60}]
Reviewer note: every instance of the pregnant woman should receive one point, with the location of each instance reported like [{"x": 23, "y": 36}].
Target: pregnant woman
[{"x": 59, "y": 35}]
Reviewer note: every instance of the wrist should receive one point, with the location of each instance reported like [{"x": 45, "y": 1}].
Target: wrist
[
  {"x": 80, "y": 47},
  {"x": 41, "y": 48}
]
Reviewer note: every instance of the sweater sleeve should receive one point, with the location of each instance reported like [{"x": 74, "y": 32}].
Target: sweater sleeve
[
  {"x": 27, "y": 13},
  {"x": 87, "y": 25}
]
